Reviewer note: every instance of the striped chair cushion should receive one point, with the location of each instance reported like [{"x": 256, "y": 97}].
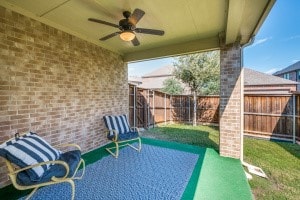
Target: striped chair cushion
[
  {"x": 28, "y": 150},
  {"x": 118, "y": 123}
]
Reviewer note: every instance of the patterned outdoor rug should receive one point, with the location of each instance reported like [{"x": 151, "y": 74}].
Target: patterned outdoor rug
[{"x": 154, "y": 173}]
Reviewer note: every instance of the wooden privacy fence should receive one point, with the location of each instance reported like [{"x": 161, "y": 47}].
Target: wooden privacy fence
[
  {"x": 274, "y": 116},
  {"x": 271, "y": 116},
  {"x": 148, "y": 107}
]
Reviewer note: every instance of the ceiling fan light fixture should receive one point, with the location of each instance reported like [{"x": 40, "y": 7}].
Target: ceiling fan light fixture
[{"x": 127, "y": 36}]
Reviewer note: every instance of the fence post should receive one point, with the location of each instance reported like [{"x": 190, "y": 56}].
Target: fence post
[
  {"x": 165, "y": 108},
  {"x": 171, "y": 117},
  {"x": 153, "y": 109},
  {"x": 134, "y": 106},
  {"x": 294, "y": 118},
  {"x": 148, "y": 109},
  {"x": 180, "y": 108},
  {"x": 189, "y": 109}
]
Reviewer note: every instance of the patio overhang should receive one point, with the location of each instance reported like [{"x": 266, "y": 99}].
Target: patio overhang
[{"x": 189, "y": 25}]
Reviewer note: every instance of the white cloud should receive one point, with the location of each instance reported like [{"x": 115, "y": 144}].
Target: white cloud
[
  {"x": 272, "y": 71},
  {"x": 294, "y": 37},
  {"x": 260, "y": 41}
]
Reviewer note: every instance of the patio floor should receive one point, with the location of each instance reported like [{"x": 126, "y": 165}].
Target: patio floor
[{"x": 213, "y": 177}]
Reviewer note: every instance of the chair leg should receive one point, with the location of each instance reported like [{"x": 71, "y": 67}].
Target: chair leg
[
  {"x": 31, "y": 193},
  {"x": 116, "y": 154},
  {"x": 72, "y": 187},
  {"x": 139, "y": 145},
  {"x": 117, "y": 150},
  {"x": 83, "y": 170}
]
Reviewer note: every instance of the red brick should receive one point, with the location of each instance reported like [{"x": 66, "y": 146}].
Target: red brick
[
  {"x": 47, "y": 88},
  {"x": 230, "y": 109}
]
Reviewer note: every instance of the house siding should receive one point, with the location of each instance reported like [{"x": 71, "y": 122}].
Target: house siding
[
  {"x": 293, "y": 71},
  {"x": 292, "y": 76},
  {"x": 56, "y": 85}
]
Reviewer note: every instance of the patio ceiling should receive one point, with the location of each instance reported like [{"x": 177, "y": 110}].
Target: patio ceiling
[{"x": 189, "y": 25}]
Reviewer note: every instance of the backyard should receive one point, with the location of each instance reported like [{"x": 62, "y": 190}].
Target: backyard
[{"x": 279, "y": 160}]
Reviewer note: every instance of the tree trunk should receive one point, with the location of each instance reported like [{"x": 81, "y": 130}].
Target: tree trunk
[{"x": 195, "y": 109}]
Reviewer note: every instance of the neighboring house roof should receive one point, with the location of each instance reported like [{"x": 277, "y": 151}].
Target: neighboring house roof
[
  {"x": 153, "y": 83},
  {"x": 254, "y": 81},
  {"x": 135, "y": 80},
  {"x": 155, "y": 79},
  {"x": 252, "y": 77},
  {"x": 163, "y": 71},
  {"x": 293, "y": 67}
]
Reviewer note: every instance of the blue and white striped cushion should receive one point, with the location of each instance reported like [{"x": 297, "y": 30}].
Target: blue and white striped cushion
[
  {"x": 118, "y": 123},
  {"x": 28, "y": 150}
]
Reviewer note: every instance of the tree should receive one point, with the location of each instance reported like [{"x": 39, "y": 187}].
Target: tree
[
  {"x": 201, "y": 72},
  {"x": 172, "y": 86}
]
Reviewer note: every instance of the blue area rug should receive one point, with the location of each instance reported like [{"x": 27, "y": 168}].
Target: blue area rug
[{"x": 154, "y": 173}]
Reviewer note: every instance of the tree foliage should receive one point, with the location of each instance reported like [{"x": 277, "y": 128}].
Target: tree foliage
[
  {"x": 172, "y": 86},
  {"x": 200, "y": 71}
]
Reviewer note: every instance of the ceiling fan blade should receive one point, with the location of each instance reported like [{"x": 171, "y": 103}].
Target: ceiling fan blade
[
  {"x": 110, "y": 36},
  {"x": 103, "y": 22},
  {"x": 136, "y": 16},
  {"x": 135, "y": 42},
  {"x": 149, "y": 31}
]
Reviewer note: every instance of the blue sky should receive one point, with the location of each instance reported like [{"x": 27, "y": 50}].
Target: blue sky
[{"x": 276, "y": 46}]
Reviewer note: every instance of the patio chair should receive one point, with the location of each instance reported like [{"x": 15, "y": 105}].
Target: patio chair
[
  {"x": 119, "y": 132},
  {"x": 33, "y": 163}
]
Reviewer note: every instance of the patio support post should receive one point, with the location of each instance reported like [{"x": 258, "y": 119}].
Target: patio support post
[{"x": 231, "y": 98}]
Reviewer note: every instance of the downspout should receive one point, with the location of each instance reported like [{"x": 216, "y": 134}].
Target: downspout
[
  {"x": 251, "y": 41},
  {"x": 251, "y": 168},
  {"x": 294, "y": 119},
  {"x": 265, "y": 13}
]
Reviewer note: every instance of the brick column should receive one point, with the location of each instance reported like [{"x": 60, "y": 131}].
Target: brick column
[{"x": 231, "y": 99}]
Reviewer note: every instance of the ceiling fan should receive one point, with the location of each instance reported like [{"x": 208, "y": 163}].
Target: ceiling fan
[{"x": 128, "y": 27}]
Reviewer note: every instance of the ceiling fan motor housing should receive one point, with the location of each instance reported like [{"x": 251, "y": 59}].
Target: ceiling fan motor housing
[
  {"x": 125, "y": 25},
  {"x": 126, "y": 14}
]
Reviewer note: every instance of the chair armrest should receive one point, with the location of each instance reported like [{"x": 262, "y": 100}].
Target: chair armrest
[
  {"x": 69, "y": 145},
  {"x": 60, "y": 162},
  {"x": 135, "y": 129},
  {"x": 115, "y": 135}
]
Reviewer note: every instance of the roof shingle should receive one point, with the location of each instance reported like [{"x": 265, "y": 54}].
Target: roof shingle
[{"x": 252, "y": 77}]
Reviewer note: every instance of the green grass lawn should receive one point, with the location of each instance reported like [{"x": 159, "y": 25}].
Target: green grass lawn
[{"x": 279, "y": 160}]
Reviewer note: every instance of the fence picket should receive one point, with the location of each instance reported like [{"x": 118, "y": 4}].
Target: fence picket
[{"x": 264, "y": 115}]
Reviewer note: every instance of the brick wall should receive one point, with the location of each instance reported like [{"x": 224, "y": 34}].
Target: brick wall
[
  {"x": 56, "y": 84},
  {"x": 230, "y": 101}
]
